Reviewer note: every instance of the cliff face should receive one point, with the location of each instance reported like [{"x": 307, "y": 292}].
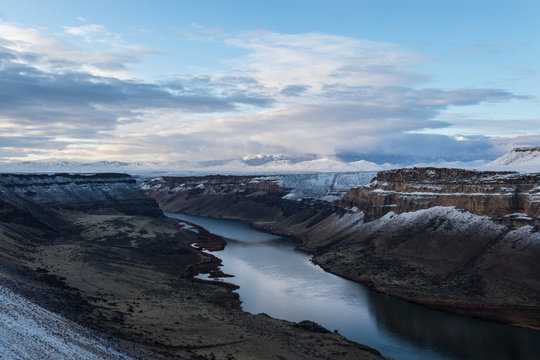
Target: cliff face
[
  {"x": 507, "y": 197},
  {"x": 114, "y": 192},
  {"x": 261, "y": 201}
]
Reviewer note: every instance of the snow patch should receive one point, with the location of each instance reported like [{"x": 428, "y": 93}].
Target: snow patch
[
  {"x": 523, "y": 159},
  {"x": 525, "y": 235},
  {"x": 323, "y": 186},
  {"x": 28, "y": 331},
  {"x": 456, "y": 220}
]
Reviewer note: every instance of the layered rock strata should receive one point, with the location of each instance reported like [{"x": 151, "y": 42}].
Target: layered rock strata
[{"x": 508, "y": 198}]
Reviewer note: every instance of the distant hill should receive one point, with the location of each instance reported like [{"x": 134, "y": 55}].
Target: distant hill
[
  {"x": 261, "y": 165},
  {"x": 522, "y": 159}
]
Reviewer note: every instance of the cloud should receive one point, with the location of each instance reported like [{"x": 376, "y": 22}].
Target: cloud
[
  {"x": 82, "y": 105},
  {"x": 319, "y": 60},
  {"x": 377, "y": 119},
  {"x": 294, "y": 90},
  {"x": 371, "y": 124},
  {"x": 29, "y": 142},
  {"x": 314, "y": 94},
  {"x": 52, "y": 89},
  {"x": 478, "y": 124},
  {"x": 30, "y": 46},
  {"x": 85, "y": 30}
]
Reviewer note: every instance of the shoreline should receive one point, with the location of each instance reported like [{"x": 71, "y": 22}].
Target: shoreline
[{"x": 490, "y": 313}]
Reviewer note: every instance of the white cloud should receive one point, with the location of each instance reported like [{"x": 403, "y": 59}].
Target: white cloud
[
  {"x": 318, "y": 61},
  {"x": 290, "y": 94},
  {"x": 32, "y": 47},
  {"x": 85, "y": 30}
]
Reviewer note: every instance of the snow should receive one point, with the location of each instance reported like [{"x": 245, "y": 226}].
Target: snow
[
  {"x": 277, "y": 165},
  {"x": 322, "y": 186},
  {"x": 525, "y": 235},
  {"x": 188, "y": 227},
  {"x": 434, "y": 194},
  {"x": 460, "y": 220},
  {"x": 524, "y": 160},
  {"x": 425, "y": 186},
  {"x": 520, "y": 159},
  {"x": 519, "y": 216},
  {"x": 66, "y": 190},
  {"x": 28, "y": 331}
]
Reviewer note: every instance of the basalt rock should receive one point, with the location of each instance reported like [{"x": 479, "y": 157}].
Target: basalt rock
[
  {"x": 508, "y": 198},
  {"x": 91, "y": 193}
]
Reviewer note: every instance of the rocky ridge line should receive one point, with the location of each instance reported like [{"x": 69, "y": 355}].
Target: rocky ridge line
[{"x": 508, "y": 198}]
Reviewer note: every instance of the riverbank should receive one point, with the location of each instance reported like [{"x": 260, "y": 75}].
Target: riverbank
[
  {"x": 97, "y": 251},
  {"x": 274, "y": 278}
]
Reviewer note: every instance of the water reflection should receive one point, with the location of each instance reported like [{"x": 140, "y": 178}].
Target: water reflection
[
  {"x": 276, "y": 279},
  {"x": 461, "y": 336}
]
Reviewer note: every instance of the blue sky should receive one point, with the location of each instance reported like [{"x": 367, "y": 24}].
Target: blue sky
[{"x": 216, "y": 80}]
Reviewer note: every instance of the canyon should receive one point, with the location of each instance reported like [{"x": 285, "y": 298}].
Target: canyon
[
  {"x": 97, "y": 251},
  {"x": 461, "y": 241},
  {"x": 94, "y": 251}
]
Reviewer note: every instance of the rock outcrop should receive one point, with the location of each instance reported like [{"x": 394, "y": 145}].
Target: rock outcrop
[{"x": 508, "y": 198}]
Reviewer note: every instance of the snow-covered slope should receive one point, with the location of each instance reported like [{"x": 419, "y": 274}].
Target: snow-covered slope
[
  {"x": 82, "y": 192},
  {"x": 323, "y": 186},
  {"x": 325, "y": 164},
  {"x": 522, "y": 159},
  {"x": 275, "y": 165},
  {"x": 28, "y": 331}
]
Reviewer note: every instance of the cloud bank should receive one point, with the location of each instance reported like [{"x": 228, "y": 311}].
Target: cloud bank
[{"x": 75, "y": 97}]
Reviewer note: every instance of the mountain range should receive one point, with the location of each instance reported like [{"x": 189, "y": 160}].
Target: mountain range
[{"x": 522, "y": 159}]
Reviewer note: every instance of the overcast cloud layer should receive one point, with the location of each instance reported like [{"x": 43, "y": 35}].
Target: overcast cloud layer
[{"x": 74, "y": 96}]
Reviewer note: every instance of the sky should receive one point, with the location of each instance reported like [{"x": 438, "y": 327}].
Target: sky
[{"x": 167, "y": 81}]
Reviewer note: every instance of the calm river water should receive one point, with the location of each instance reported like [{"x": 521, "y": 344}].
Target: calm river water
[{"x": 280, "y": 281}]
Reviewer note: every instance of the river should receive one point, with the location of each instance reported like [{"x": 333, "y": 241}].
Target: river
[{"x": 278, "y": 280}]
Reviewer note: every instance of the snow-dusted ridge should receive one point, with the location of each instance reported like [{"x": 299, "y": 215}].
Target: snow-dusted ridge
[
  {"x": 322, "y": 186},
  {"x": 522, "y": 159},
  {"x": 326, "y": 186},
  {"x": 28, "y": 331}
]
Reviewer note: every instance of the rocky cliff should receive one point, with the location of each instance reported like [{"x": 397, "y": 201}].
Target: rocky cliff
[
  {"x": 438, "y": 237},
  {"x": 116, "y": 192},
  {"x": 508, "y": 198}
]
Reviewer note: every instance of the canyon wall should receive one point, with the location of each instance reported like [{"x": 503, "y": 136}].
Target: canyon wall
[
  {"x": 508, "y": 198},
  {"x": 94, "y": 192},
  {"x": 455, "y": 240}
]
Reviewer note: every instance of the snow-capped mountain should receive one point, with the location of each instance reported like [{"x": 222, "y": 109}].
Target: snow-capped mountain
[
  {"x": 522, "y": 159},
  {"x": 262, "y": 164}
]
